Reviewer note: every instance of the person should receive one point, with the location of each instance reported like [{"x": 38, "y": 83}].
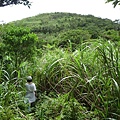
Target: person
[{"x": 30, "y": 93}]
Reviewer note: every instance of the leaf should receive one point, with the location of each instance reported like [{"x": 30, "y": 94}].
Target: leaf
[{"x": 116, "y": 85}]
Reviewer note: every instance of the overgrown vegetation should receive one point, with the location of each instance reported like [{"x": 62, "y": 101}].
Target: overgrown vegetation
[{"x": 76, "y": 72}]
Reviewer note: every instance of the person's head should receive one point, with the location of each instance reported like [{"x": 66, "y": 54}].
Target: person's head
[{"x": 29, "y": 79}]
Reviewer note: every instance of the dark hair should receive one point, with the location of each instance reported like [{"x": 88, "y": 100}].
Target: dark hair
[{"x": 29, "y": 79}]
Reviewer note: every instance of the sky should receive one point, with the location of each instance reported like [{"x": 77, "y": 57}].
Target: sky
[{"x": 97, "y": 8}]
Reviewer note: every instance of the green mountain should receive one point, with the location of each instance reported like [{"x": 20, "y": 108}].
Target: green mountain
[{"x": 52, "y": 27}]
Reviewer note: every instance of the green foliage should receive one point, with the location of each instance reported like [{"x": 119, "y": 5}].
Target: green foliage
[
  {"x": 19, "y": 43},
  {"x": 12, "y": 106},
  {"x": 49, "y": 26},
  {"x": 91, "y": 75},
  {"x": 77, "y": 82},
  {"x": 111, "y": 35},
  {"x": 60, "y": 108},
  {"x": 51, "y": 69},
  {"x": 74, "y": 36}
]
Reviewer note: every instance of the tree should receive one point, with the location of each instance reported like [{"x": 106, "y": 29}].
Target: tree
[
  {"x": 15, "y": 2},
  {"x": 73, "y": 37},
  {"x": 19, "y": 44},
  {"x": 114, "y": 2},
  {"x": 111, "y": 35}
]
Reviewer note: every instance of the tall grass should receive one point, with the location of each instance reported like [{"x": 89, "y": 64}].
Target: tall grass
[
  {"x": 12, "y": 106},
  {"x": 51, "y": 69},
  {"x": 84, "y": 83},
  {"x": 90, "y": 74}
]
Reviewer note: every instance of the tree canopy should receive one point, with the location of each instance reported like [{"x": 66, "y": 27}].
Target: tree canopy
[
  {"x": 27, "y": 2},
  {"x": 50, "y": 27},
  {"x": 14, "y": 2},
  {"x": 18, "y": 43}
]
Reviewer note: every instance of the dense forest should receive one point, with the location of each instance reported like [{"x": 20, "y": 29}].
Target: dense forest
[{"x": 74, "y": 61}]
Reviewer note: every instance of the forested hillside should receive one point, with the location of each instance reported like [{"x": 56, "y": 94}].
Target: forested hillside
[
  {"x": 53, "y": 27},
  {"x": 74, "y": 61},
  {"x": 59, "y": 22}
]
